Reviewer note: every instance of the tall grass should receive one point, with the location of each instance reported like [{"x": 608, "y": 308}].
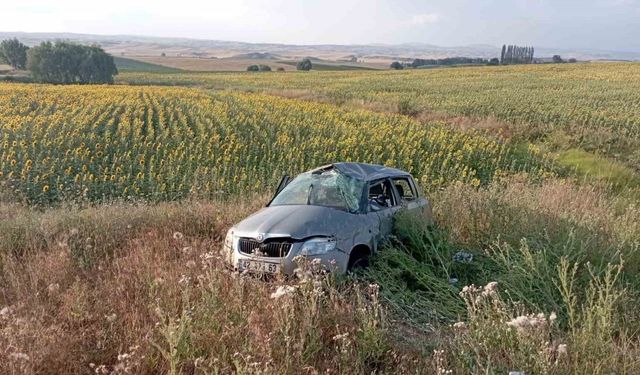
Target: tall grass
[{"x": 142, "y": 289}]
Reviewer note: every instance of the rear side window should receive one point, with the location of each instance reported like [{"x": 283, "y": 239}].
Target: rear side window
[
  {"x": 405, "y": 189},
  {"x": 382, "y": 188}
]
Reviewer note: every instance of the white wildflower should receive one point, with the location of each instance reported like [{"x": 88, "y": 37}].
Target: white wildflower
[
  {"x": 178, "y": 236},
  {"x": 341, "y": 336},
  {"x": 184, "y": 280},
  {"x": 460, "y": 326},
  {"x": 374, "y": 288},
  {"x": 562, "y": 349},
  {"x": 111, "y": 318},
  {"x": 19, "y": 356},
  {"x": 4, "y": 313},
  {"x": 53, "y": 288},
  {"x": 282, "y": 291},
  {"x": 491, "y": 288},
  {"x": 519, "y": 322}
]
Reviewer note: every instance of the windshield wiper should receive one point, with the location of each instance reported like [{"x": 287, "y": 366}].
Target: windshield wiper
[{"x": 309, "y": 194}]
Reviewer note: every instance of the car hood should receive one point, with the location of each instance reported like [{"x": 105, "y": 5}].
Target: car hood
[{"x": 298, "y": 222}]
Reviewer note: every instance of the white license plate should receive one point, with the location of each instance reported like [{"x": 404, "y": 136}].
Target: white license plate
[{"x": 256, "y": 266}]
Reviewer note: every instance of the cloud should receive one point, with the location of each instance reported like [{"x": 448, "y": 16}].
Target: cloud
[{"x": 424, "y": 19}]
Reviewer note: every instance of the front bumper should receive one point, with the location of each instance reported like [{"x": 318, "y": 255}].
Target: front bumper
[{"x": 335, "y": 260}]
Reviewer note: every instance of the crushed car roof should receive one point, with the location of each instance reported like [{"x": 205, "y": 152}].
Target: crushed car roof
[{"x": 363, "y": 171}]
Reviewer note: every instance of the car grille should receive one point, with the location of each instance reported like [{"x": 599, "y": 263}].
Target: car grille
[{"x": 274, "y": 248}]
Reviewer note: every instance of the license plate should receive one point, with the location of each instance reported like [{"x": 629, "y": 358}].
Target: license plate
[{"x": 261, "y": 267}]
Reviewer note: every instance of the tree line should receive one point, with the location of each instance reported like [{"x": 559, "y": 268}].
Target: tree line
[
  {"x": 516, "y": 55},
  {"x": 304, "y": 65},
  {"x": 60, "y": 62}
]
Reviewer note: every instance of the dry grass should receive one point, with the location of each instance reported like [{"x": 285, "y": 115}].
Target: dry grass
[
  {"x": 156, "y": 298},
  {"x": 142, "y": 289}
]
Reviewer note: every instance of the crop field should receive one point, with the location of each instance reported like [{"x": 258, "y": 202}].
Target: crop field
[
  {"x": 115, "y": 201},
  {"x": 595, "y": 106},
  {"x": 103, "y": 143},
  {"x": 131, "y": 65}
]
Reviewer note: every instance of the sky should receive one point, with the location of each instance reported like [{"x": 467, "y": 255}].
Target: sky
[{"x": 585, "y": 24}]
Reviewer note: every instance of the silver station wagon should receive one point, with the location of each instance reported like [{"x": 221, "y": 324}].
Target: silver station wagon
[{"x": 339, "y": 213}]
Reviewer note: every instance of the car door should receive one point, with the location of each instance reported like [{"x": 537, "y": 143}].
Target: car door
[
  {"x": 384, "y": 212},
  {"x": 410, "y": 198}
]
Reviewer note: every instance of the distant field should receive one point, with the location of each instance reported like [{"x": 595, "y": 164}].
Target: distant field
[
  {"x": 230, "y": 64},
  {"x": 131, "y": 65},
  {"x": 333, "y": 66},
  {"x": 211, "y": 64}
]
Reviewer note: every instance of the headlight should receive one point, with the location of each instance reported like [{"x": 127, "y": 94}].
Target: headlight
[
  {"x": 318, "y": 246},
  {"x": 228, "y": 241}
]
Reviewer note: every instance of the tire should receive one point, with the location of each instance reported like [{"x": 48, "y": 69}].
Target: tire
[{"x": 358, "y": 260}]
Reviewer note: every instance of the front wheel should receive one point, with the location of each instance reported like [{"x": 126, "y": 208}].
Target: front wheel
[{"x": 358, "y": 260}]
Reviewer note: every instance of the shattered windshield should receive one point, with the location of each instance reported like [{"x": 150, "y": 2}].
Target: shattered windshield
[{"x": 322, "y": 188}]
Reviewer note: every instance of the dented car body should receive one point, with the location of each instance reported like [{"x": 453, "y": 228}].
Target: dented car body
[{"x": 339, "y": 213}]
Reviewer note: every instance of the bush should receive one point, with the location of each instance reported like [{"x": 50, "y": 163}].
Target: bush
[
  {"x": 305, "y": 65},
  {"x": 258, "y": 68},
  {"x": 397, "y": 65},
  {"x": 409, "y": 107},
  {"x": 14, "y": 53},
  {"x": 494, "y": 61},
  {"x": 65, "y": 62}
]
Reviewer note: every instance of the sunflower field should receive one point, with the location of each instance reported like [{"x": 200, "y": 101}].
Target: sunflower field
[
  {"x": 595, "y": 105},
  {"x": 102, "y": 143}
]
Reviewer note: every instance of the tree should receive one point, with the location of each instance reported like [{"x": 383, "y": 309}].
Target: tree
[
  {"x": 397, "y": 65},
  {"x": 281, "y": 69},
  {"x": 264, "y": 68},
  {"x": 557, "y": 59},
  {"x": 305, "y": 65},
  {"x": 14, "y": 53},
  {"x": 163, "y": 54},
  {"x": 253, "y": 68},
  {"x": 494, "y": 61},
  {"x": 65, "y": 62},
  {"x": 572, "y": 60},
  {"x": 516, "y": 55}
]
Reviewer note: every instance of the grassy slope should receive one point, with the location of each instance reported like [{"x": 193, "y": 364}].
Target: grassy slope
[
  {"x": 130, "y": 65},
  {"x": 599, "y": 168}
]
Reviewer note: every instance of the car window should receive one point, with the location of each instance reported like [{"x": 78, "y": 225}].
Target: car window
[
  {"x": 327, "y": 188},
  {"x": 382, "y": 188},
  {"x": 405, "y": 189}
]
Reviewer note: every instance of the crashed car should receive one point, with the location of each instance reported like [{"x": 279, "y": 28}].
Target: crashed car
[{"x": 339, "y": 214}]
